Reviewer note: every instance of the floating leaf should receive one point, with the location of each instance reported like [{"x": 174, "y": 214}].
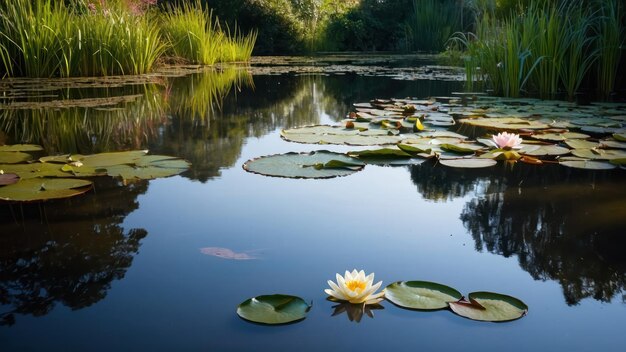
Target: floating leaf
[
  {"x": 323, "y": 134},
  {"x": 35, "y": 189},
  {"x": 613, "y": 144},
  {"x": 558, "y": 137},
  {"x": 103, "y": 160},
  {"x": 226, "y": 253},
  {"x": 460, "y": 148},
  {"x": 421, "y": 295},
  {"x": 618, "y": 161},
  {"x": 34, "y": 170},
  {"x": 505, "y": 123},
  {"x": 302, "y": 165},
  {"x": 545, "y": 150},
  {"x": 384, "y": 153},
  {"x": 620, "y": 137},
  {"x": 581, "y": 144},
  {"x": 273, "y": 309},
  {"x": 468, "y": 163},
  {"x": 414, "y": 149},
  {"x": 587, "y": 164},
  {"x": 601, "y": 154},
  {"x": 8, "y": 179},
  {"x": 14, "y": 157},
  {"x": 489, "y": 306},
  {"x": 20, "y": 148}
]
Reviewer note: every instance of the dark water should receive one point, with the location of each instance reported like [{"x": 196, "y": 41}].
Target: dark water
[{"x": 121, "y": 268}]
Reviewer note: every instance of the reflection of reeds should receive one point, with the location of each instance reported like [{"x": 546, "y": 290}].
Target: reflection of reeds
[
  {"x": 195, "y": 98},
  {"x": 88, "y": 130}
]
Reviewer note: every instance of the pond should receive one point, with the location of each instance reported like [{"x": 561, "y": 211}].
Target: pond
[{"x": 163, "y": 264}]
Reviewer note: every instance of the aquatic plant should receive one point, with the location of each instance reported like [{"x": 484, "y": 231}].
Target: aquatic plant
[
  {"x": 431, "y": 24},
  {"x": 507, "y": 140},
  {"x": 610, "y": 40}
]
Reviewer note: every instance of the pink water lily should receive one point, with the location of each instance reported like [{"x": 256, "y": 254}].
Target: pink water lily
[
  {"x": 355, "y": 287},
  {"x": 507, "y": 140}
]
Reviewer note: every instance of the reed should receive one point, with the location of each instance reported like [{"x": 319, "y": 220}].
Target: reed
[
  {"x": 192, "y": 33},
  {"x": 431, "y": 24},
  {"x": 610, "y": 41},
  {"x": 580, "y": 50}
]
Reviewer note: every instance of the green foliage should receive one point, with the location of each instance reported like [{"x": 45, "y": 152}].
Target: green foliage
[
  {"x": 545, "y": 48},
  {"x": 431, "y": 24}
]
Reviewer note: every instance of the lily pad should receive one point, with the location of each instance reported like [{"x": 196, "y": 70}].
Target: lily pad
[
  {"x": 545, "y": 150},
  {"x": 468, "y": 163},
  {"x": 323, "y": 134},
  {"x": 613, "y": 144},
  {"x": 587, "y": 164},
  {"x": 36, "y": 189},
  {"x": 20, "y": 148},
  {"x": 273, "y": 309},
  {"x": 34, "y": 170},
  {"x": 422, "y": 295},
  {"x": 489, "y": 306},
  {"x": 558, "y": 137},
  {"x": 304, "y": 165},
  {"x": 14, "y": 157},
  {"x": 599, "y": 154},
  {"x": 505, "y": 123},
  {"x": 581, "y": 144}
]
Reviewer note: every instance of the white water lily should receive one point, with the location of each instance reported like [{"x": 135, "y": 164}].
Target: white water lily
[
  {"x": 355, "y": 287},
  {"x": 507, "y": 140}
]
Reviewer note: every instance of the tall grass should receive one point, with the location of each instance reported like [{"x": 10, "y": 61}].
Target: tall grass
[
  {"x": 548, "y": 48},
  {"x": 192, "y": 33},
  {"x": 47, "y": 38},
  {"x": 431, "y": 24},
  {"x": 610, "y": 42}
]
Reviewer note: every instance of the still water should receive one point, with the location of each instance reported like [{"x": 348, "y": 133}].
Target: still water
[{"x": 121, "y": 268}]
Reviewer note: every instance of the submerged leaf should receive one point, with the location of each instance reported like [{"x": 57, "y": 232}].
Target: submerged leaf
[
  {"x": 226, "y": 253},
  {"x": 273, "y": 309}
]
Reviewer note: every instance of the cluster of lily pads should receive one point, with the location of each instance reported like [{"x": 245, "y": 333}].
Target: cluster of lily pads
[
  {"x": 24, "y": 178},
  {"x": 410, "y": 131},
  {"x": 357, "y": 291}
]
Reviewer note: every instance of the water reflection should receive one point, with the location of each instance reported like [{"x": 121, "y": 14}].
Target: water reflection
[
  {"x": 355, "y": 312},
  {"x": 563, "y": 225},
  {"x": 66, "y": 252}
]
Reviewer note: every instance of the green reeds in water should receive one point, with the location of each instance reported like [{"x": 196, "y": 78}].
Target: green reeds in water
[
  {"x": 195, "y": 35},
  {"x": 192, "y": 33},
  {"x": 46, "y": 38},
  {"x": 431, "y": 24},
  {"x": 610, "y": 42}
]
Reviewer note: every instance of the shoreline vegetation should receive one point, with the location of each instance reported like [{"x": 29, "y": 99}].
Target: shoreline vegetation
[
  {"x": 50, "y": 38},
  {"x": 536, "y": 48}
]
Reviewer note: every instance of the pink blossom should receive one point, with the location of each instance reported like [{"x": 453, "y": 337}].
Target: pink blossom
[{"x": 507, "y": 140}]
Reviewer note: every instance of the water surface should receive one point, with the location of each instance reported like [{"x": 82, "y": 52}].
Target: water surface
[{"x": 122, "y": 269}]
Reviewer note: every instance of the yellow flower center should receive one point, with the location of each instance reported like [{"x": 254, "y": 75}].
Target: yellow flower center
[{"x": 355, "y": 285}]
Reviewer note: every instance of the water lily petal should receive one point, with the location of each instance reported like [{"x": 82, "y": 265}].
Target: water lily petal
[{"x": 335, "y": 294}]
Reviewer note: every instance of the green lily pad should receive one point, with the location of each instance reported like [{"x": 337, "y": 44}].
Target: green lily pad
[
  {"x": 8, "y": 179},
  {"x": 620, "y": 137},
  {"x": 303, "y": 165},
  {"x": 273, "y": 309},
  {"x": 20, "y": 148},
  {"x": 324, "y": 134},
  {"x": 505, "y": 123},
  {"x": 36, "y": 189},
  {"x": 613, "y": 144},
  {"x": 581, "y": 144},
  {"x": 422, "y": 295},
  {"x": 587, "y": 164},
  {"x": 102, "y": 160},
  {"x": 14, "y": 157},
  {"x": 599, "y": 154},
  {"x": 544, "y": 150},
  {"x": 149, "y": 167},
  {"x": 460, "y": 148},
  {"x": 468, "y": 163},
  {"x": 558, "y": 137},
  {"x": 34, "y": 170},
  {"x": 489, "y": 306}
]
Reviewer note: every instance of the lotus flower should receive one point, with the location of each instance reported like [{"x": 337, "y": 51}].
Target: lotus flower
[
  {"x": 355, "y": 287},
  {"x": 507, "y": 140}
]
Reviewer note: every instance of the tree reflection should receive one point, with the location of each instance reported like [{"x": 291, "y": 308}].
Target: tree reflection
[
  {"x": 69, "y": 252},
  {"x": 562, "y": 224}
]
